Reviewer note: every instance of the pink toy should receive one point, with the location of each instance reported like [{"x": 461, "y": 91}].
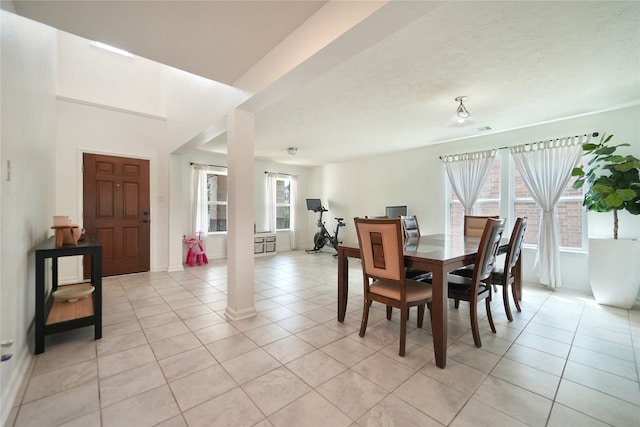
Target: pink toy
[{"x": 196, "y": 251}]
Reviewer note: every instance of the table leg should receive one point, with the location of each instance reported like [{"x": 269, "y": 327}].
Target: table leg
[
  {"x": 439, "y": 305},
  {"x": 96, "y": 279},
  {"x": 40, "y": 301},
  {"x": 343, "y": 284}
]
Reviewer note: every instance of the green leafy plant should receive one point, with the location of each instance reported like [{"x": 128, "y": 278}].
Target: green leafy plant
[{"x": 612, "y": 181}]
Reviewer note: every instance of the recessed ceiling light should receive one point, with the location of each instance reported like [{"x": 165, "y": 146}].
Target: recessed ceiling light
[{"x": 112, "y": 49}]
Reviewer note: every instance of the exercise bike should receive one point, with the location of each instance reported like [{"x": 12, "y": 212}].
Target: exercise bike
[{"x": 322, "y": 237}]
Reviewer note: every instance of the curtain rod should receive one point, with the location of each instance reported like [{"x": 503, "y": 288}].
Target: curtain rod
[
  {"x": 593, "y": 135},
  {"x": 213, "y": 166},
  {"x": 279, "y": 173}
]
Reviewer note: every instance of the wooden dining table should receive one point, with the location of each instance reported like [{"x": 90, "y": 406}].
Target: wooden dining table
[{"x": 438, "y": 253}]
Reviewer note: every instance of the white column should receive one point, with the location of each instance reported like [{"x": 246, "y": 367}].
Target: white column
[
  {"x": 177, "y": 202},
  {"x": 240, "y": 260}
]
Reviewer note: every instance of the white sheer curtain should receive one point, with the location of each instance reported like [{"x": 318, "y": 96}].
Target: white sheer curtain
[
  {"x": 270, "y": 201},
  {"x": 545, "y": 168},
  {"x": 200, "y": 209},
  {"x": 467, "y": 173},
  {"x": 293, "y": 197}
]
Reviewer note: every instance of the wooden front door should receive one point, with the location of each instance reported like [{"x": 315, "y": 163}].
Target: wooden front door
[{"x": 116, "y": 211}]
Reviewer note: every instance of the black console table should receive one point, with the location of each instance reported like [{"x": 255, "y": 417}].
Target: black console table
[{"x": 44, "y": 301}]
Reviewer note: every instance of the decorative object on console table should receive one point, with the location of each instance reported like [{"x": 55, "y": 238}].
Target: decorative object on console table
[
  {"x": 66, "y": 232},
  {"x": 612, "y": 184}
]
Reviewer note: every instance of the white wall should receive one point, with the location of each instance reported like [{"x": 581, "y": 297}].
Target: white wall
[
  {"x": 28, "y": 67},
  {"x": 96, "y": 75},
  {"x": 416, "y": 178},
  {"x": 119, "y": 106}
]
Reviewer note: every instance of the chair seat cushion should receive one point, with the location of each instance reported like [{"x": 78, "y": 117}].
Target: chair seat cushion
[
  {"x": 462, "y": 272},
  {"x": 460, "y": 287},
  {"x": 416, "y": 291},
  {"x": 418, "y": 275},
  {"x": 497, "y": 276}
]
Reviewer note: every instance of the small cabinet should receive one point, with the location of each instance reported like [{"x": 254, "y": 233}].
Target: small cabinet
[{"x": 264, "y": 244}]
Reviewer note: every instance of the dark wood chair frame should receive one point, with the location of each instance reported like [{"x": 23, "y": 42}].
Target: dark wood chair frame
[
  {"x": 384, "y": 267},
  {"x": 505, "y": 277},
  {"x": 478, "y": 287}
]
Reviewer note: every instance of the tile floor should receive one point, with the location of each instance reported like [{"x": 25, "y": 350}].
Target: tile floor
[{"x": 168, "y": 358}]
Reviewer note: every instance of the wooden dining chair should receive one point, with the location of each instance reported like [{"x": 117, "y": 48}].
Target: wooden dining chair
[
  {"x": 473, "y": 227},
  {"x": 503, "y": 275},
  {"x": 411, "y": 231},
  {"x": 410, "y": 226},
  {"x": 382, "y": 253},
  {"x": 478, "y": 287}
]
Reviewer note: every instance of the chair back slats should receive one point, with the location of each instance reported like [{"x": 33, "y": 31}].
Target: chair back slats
[
  {"x": 515, "y": 244},
  {"x": 381, "y": 247},
  {"x": 474, "y": 225},
  {"x": 410, "y": 226},
  {"x": 488, "y": 249},
  {"x": 377, "y": 249}
]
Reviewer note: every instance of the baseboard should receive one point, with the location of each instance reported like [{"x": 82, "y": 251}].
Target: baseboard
[
  {"x": 232, "y": 314},
  {"x": 175, "y": 268},
  {"x": 13, "y": 387}
]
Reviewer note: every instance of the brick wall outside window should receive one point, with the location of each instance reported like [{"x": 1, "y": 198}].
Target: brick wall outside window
[{"x": 569, "y": 210}]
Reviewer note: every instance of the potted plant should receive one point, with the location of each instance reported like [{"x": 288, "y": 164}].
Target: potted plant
[{"x": 612, "y": 184}]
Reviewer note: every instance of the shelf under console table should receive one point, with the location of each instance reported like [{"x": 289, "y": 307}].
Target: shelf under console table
[{"x": 50, "y": 316}]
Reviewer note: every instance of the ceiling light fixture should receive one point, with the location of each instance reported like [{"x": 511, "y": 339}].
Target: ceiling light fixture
[
  {"x": 292, "y": 151},
  {"x": 461, "y": 112}
]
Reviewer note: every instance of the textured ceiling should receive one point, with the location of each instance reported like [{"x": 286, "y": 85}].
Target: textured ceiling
[{"x": 520, "y": 64}]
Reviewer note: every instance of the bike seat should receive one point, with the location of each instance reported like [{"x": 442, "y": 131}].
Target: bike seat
[{"x": 339, "y": 219}]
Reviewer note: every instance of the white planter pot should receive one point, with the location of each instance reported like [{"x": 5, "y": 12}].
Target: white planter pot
[{"x": 614, "y": 271}]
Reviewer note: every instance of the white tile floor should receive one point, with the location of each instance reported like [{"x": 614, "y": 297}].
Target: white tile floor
[{"x": 168, "y": 358}]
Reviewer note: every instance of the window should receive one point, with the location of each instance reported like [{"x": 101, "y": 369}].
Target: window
[
  {"x": 283, "y": 204},
  {"x": 516, "y": 201},
  {"x": 217, "y": 190}
]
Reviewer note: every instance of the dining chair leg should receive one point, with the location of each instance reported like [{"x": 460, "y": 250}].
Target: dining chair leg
[
  {"x": 514, "y": 291},
  {"x": 473, "y": 314},
  {"x": 505, "y": 300},
  {"x": 420, "y": 315},
  {"x": 489, "y": 316},
  {"x": 403, "y": 330},
  {"x": 365, "y": 318},
  {"x": 390, "y": 312}
]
